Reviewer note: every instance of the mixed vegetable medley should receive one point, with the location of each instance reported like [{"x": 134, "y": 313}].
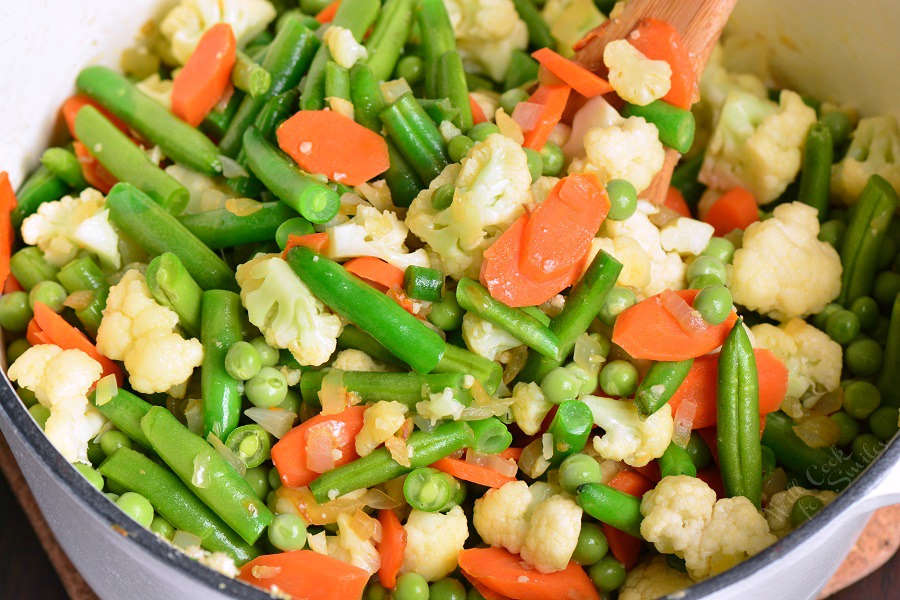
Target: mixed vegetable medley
[{"x": 364, "y": 300}]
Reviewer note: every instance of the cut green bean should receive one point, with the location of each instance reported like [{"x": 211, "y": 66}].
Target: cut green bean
[
  {"x": 460, "y": 360},
  {"x": 660, "y": 384},
  {"x": 491, "y": 435},
  {"x": 221, "y": 228},
  {"x": 889, "y": 380},
  {"x": 388, "y": 37},
  {"x": 354, "y": 337},
  {"x": 41, "y": 186},
  {"x": 220, "y": 328},
  {"x": 430, "y": 490},
  {"x": 249, "y": 76},
  {"x": 83, "y": 274},
  {"x": 368, "y": 102},
  {"x": 439, "y": 110},
  {"x": 293, "y": 226},
  {"x": 172, "y": 286},
  {"x": 125, "y": 411},
  {"x": 452, "y": 85},
  {"x": 676, "y": 125},
  {"x": 250, "y": 443},
  {"x": 376, "y": 386},
  {"x": 423, "y": 283},
  {"x": 337, "y": 81},
  {"x": 29, "y": 267},
  {"x": 64, "y": 164},
  {"x": 610, "y": 506},
  {"x": 401, "y": 179},
  {"x": 815, "y": 173},
  {"x": 416, "y": 136},
  {"x": 216, "y": 122},
  {"x": 570, "y": 429},
  {"x": 684, "y": 179},
  {"x": 432, "y": 18},
  {"x": 539, "y": 35},
  {"x": 676, "y": 461},
  {"x": 522, "y": 69}
]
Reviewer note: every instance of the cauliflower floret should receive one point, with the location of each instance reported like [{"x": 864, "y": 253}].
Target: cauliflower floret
[
  {"x": 434, "y": 541},
  {"x": 185, "y": 24},
  {"x": 352, "y": 547},
  {"x": 813, "y": 359},
  {"x": 218, "y": 561},
  {"x": 492, "y": 189},
  {"x": 207, "y": 193},
  {"x": 380, "y": 421},
  {"x": 757, "y": 144},
  {"x": 352, "y": 359},
  {"x": 874, "y": 149},
  {"x": 529, "y": 407},
  {"x": 628, "y": 437},
  {"x": 634, "y": 77},
  {"x": 552, "y": 534},
  {"x": 487, "y": 31},
  {"x": 502, "y": 516},
  {"x": 675, "y": 513},
  {"x": 685, "y": 236},
  {"x": 485, "y": 338},
  {"x": 344, "y": 48},
  {"x": 783, "y": 269},
  {"x": 60, "y": 380},
  {"x": 158, "y": 89},
  {"x": 628, "y": 150},
  {"x": 63, "y": 227},
  {"x": 596, "y": 113},
  {"x": 778, "y": 511},
  {"x": 570, "y": 20},
  {"x": 138, "y": 330},
  {"x": 441, "y": 405},
  {"x": 653, "y": 579},
  {"x": 372, "y": 232},
  {"x": 286, "y": 312}
]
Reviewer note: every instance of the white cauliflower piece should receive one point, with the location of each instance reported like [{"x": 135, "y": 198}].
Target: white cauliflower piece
[
  {"x": 344, "y": 48},
  {"x": 352, "y": 359},
  {"x": 685, "y": 236},
  {"x": 352, "y": 546},
  {"x": 158, "y": 89},
  {"x": 485, "y": 338},
  {"x": 487, "y": 31},
  {"x": 63, "y": 227},
  {"x": 552, "y": 534},
  {"x": 433, "y": 542},
  {"x": 757, "y": 144},
  {"x": 441, "y": 405},
  {"x": 874, "y": 149},
  {"x": 629, "y": 437},
  {"x": 218, "y": 561},
  {"x": 813, "y": 359},
  {"x": 287, "y": 313},
  {"x": 778, "y": 511},
  {"x": 675, "y": 513},
  {"x": 570, "y": 20},
  {"x": 206, "y": 193},
  {"x": 60, "y": 380},
  {"x": 380, "y": 421},
  {"x": 653, "y": 579},
  {"x": 529, "y": 407},
  {"x": 492, "y": 189},
  {"x": 628, "y": 150},
  {"x": 372, "y": 232},
  {"x": 185, "y": 24},
  {"x": 596, "y": 113},
  {"x": 141, "y": 332},
  {"x": 783, "y": 269},
  {"x": 502, "y": 516},
  {"x": 635, "y": 77}
]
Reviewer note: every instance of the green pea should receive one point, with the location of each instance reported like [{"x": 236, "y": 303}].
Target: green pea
[
  {"x": 578, "y": 469},
  {"x": 698, "y": 451},
  {"x": 804, "y": 508},
  {"x": 704, "y": 281},
  {"x": 267, "y": 389},
  {"x": 15, "y": 311},
  {"x": 619, "y": 378},
  {"x": 446, "y": 314},
  {"x": 553, "y": 158},
  {"x": 376, "y": 591},
  {"x": 848, "y": 426},
  {"x": 887, "y": 286},
  {"x": 707, "y": 265},
  {"x": 274, "y": 479},
  {"x": 608, "y": 574},
  {"x": 886, "y": 253},
  {"x": 821, "y": 319},
  {"x": 137, "y": 507},
  {"x": 459, "y": 147},
  {"x": 162, "y": 528},
  {"x": 16, "y": 349},
  {"x": 883, "y": 422},
  {"x": 258, "y": 478},
  {"x": 880, "y": 332},
  {"x": 295, "y": 226},
  {"x": 288, "y": 532},
  {"x": 480, "y": 132},
  {"x": 864, "y": 357},
  {"x": 560, "y": 385},
  {"x": 616, "y": 301},
  {"x": 447, "y": 588},
  {"x": 50, "y": 293},
  {"x": 474, "y": 595},
  {"x": 411, "y": 68},
  {"x": 622, "y": 199},
  {"x": 833, "y": 232},
  {"x": 720, "y": 248},
  {"x": 714, "y": 304},
  {"x": 26, "y": 396},
  {"x": 861, "y": 398},
  {"x": 267, "y": 354},
  {"x": 535, "y": 163},
  {"x": 291, "y": 402},
  {"x": 39, "y": 413},
  {"x": 243, "y": 361},
  {"x": 866, "y": 447},
  {"x": 443, "y": 196},
  {"x": 92, "y": 475},
  {"x": 411, "y": 586},
  {"x": 95, "y": 454},
  {"x": 591, "y": 546},
  {"x": 510, "y": 98},
  {"x": 842, "y": 326},
  {"x": 111, "y": 496},
  {"x": 588, "y": 380},
  {"x": 112, "y": 440},
  {"x": 866, "y": 310}
]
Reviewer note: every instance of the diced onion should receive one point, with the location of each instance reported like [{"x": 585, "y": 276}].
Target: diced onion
[
  {"x": 320, "y": 447},
  {"x": 185, "y": 539},
  {"x": 200, "y": 474},
  {"x": 513, "y": 361},
  {"x": 684, "y": 421},
  {"x": 504, "y": 466},
  {"x": 547, "y": 446},
  {"x": 381, "y": 500},
  {"x": 508, "y": 126},
  {"x": 526, "y": 114},
  {"x": 532, "y": 463},
  {"x": 364, "y": 526},
  {"x": 79, "y": 300},
  {"x": 225, "y": 452},
  {"x": 828, "y": 403},
  {"x": 818, "y": 431},
  {"x": 276, "y": 421},
  {"x": 663, "y": 216},
  {"x": 231, "y": 167},
  {"x": 393, "y": 89},
  {"x": 688, "y": 319},
  {"x": 222, "y": 104},
  {"x": 193, "y": 415},
  {"x": 242, "y": 207},
  {"x": 318, "y": 542},
  {"x": 589, "y": 352},
  {"x": 333, "y": 394},
  {"x": 106, "y": 389},
  {"x": 398, "y": 450},
  {"x": 305, "y": 505}
]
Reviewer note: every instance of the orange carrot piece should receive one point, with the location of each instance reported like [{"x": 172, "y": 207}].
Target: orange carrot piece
[
  {"x": 699, "y": 387},
  {"x": 7, "y": 233},
  {"x": 625, "y": 548},
  {"x": 477, "y": 113},
  {"x": 559, "y": 232},
  {"x": 658, "y": 40},
  {"x": 735, "y": 209},
  {"x": 327, "y": 142},
  {"x": 391, "y": 547},
  {"x": 471, "y": 472},
  {"x": 12, "y": 284},
  {"x": 34, "y": 335},
  {"x": 289, "y": 454},
  {"x": 73, "y": 104},
  {"x": 381, "y": 274},
  {"x": 512, "y": 454},
  {"x": 675, "y": 201},
  {"x": 552, "y": 99},
  {"x": 648, "y": 331},
  {"x": 315, "y": 241},
  {"x": 201, "y": 83},
  {"x": 650, "y": 471},
  {"x": 487, "y": 593},
  {"x": 94, "y": 173},
  {"x": 572, "y": 74},
  {"x": 326, "y": 15},
  {"x": 631, "y": 482},
  {"x": 67, "y": 337},
  {"x": 306, "y": 575},
  {"x": 504, "y": 573}
]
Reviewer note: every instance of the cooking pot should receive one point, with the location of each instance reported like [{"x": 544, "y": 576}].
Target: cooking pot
[{"x": 828, "y": 48}]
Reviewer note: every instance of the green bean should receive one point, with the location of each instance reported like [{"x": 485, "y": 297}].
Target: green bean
[
  {"x": 660, "y": 384},
  {"x": 676, "y": 461},
  {"x": 221, "y": 228},
  {"x": 522, "y": 69},
  {"x": 815, "y": 174},
  {"x": 684, "y": 179},
  {"x": 676, "y": 125},
  {"x": 293, "y": 226},
  {"x": 220, "y": 328},
  {"x": 451, "y": 84},
  {"x": 439, "y": 110},
  {"x": 250, "y": 443},
  {"x": 367, "y": 99},
  {"x": 423, "y": 283},
  {"x": 354, "y": 337},
  {"x": 582, "y": 306},
  {"x": 178, "y": 140},
  {"x": 216, "y": 122},
  {"x": 248, "y": 76},
  {"x": 866, "y": 232},
  {"x": 889, "y": 380},
  {"x": 125, "y": 411},
  {"x": 610, "y": 506},
  {"x": 41, "y": 186},
  {"x": 172, "y": 286},
  {"x": 313, "y": 7},
  {"x": 570, "y": 429},
  {"x": 411, "y": 68},
  {"x": 401, "y": 179},
  {"x": 64, "y": 164},
  {"x": 374, "y": 386},
  {"x": 416, "y": 136},
  {"x": 83, "y": 274},
  {"x": 388, "y": 37},
  {"x": 156, "y": 231},
  {"x": 425, "y": 447},
  {"x": 337, "y": 81},
  {"x": 539, "y": 35},
  {"x": 839, "y": 126},
  {"x": 737, "y": 427},
  {"x": 491, "y": 435},
  {"x": 430, "y": 490},
  {"x": 29, "y": 267},
  {"x": 460, "y": 360},
  {"x": 432, "y": 18}
]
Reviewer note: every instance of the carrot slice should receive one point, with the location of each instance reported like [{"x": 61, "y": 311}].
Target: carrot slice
[
  {"x": 73, "y": 104},
  {"x": 200, "y": 84},
  {"x": 327, "y": 142},
  {"x": 625, "y": 548},
  {"x": 381, "y": 274},
  {"x": 735, "y": 209},
  {"x": 552, "y": 99},
  {"x": 647, "y": 330},
  {"x": 289, "y": 455},
  {"x": 477, "y": 113},
  {"x": 675, "y": 201},
  {"x": 658, "y": 40},
  {"x": 315, "y": 241},
  {"x": 631, "y": 482},
  {"x": 59, "y": 332},
  {"x": 34, "y": 335},
  {"x": 559, "y": 232},
  {"x": 572, "y": 74},
  {"x": 307, "y": 575},
  {"x": 391, "y": 547},
  {"x": 7, "y": 233},
  {"x": 471, "y": 472},
  {"x": 12, "y": 284},
  {"x": 326, "y": 15},
  {"x": 488, "y": 594},
  {"x": 94, "y": 173},
  {"x": 699, "y": 387},
  {"x": 504, "y": 573}
]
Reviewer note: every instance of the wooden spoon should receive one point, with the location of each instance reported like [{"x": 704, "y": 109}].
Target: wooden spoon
[{"x": 700, "y": 22}]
